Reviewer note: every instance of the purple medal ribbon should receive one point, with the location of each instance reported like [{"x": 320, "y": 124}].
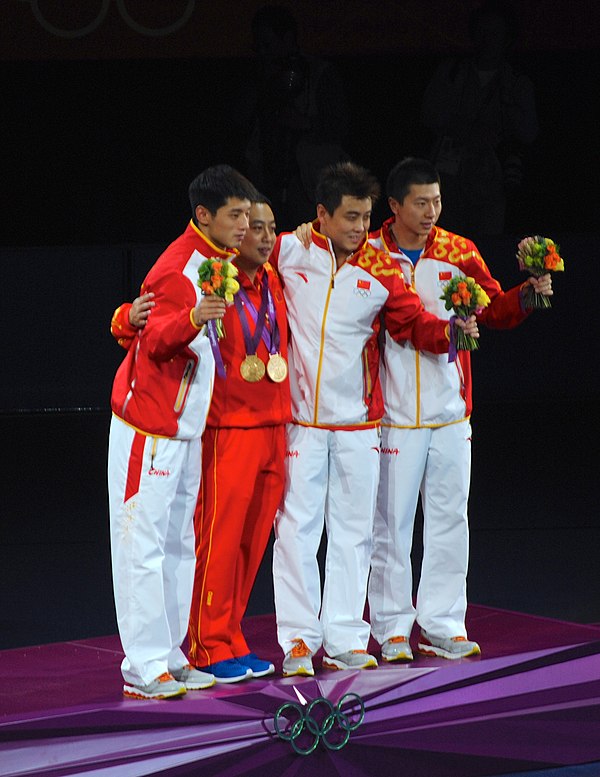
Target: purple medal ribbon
[
  {"x": 271, "y": 339},
  {"x": 452, "y": 350},
  {"x": 211, "y": 330},
  {"x": 251, "y": 341}
]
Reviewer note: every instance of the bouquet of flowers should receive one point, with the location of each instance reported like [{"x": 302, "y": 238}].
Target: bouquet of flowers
[
  {"x": 538, "y": 255},
  {"x": 464, "y": 297},
  {"x": 218, "y": 277}
]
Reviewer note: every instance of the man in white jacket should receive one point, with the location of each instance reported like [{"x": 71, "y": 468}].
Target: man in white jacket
[
  {"x": 337, "y": 292},
  {"x": 426, "y": 430}
]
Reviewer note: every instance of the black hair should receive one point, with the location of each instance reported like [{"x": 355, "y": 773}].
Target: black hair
[
  {"x": 407, "y": 172},
  {"x": 260, "y": 199},
  {"x": 215, "y": 185},
  {"x": 345, "y": 179}
]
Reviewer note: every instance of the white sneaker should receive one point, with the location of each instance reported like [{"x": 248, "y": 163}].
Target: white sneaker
[
  {"x": 298, "y": 660},
  {"x": 396, "y": 649},
  {"x": 163, "y": 687},
  {"x": 447, "y": 647},
  {"x": 193, "y": 679},
  {"x": 351, "y": 659}
]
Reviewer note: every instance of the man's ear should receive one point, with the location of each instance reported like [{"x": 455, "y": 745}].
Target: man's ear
[
  {"x": 321, "y": 211},
  {"x": 203, "y": 215},
  {"x": 394, "y": 205}
]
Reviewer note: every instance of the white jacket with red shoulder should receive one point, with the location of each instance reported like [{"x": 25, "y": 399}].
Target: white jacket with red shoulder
[
  {"x": 423, "y": 389},
  {"x": 334, "y": 317}
]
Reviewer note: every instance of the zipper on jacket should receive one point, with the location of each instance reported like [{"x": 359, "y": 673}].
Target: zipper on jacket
[
  {"x": 322, "y": 343},
  {"x": 417, "y": 363}
]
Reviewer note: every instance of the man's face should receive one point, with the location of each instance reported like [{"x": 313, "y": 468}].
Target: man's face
[
  {"x": 227, "y": 227},
  {"x": 347, "y": 226},
  {"x": 419, "y": 211},
  {"x": 259, "y": 240}
]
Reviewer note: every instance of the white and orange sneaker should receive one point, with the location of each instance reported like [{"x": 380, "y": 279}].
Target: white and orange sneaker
[
  {"x": 298, "y": 661},
  {"x": 396, "y": 649},
  {"x": 163, "y": 687},
  {"x": 351, "y": 659},
  {"x": 447, "y": 647}
]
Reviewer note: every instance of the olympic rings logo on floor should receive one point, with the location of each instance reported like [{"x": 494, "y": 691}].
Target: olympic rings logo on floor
[
  {"x": 329, "y": 725},
  {"x": 153, "y": 32}
]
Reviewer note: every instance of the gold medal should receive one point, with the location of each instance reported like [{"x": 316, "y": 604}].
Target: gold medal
[
  {"x": 277, "y": 368},
  {"x": 252, "y": 369}
]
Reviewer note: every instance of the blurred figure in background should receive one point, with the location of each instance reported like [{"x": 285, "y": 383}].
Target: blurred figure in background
[
  {"x": 483, "y": 116},
  {"x": 296, "y": 113}
]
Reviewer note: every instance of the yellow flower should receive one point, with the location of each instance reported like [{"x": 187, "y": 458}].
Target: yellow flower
[
  {"x": 231, "y": 287},
  {"x": 482, "y": 298}
]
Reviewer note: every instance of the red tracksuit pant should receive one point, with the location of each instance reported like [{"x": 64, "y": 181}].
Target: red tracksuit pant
[{"x": 242, "y": 485}]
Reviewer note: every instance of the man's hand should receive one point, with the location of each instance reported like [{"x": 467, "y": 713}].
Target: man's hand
[
  {"x": 210, "y": 306},
  {"x": 543, "y": 284},
  {"x": 140, "y": 309},
  {"x": 469, "y": 326},
  {"x": 303, "y": 233}
]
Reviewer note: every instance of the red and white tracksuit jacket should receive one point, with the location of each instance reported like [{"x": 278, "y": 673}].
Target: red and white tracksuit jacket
[
  {"x": 424, "y": 389},
  {"x": 164, "y": 385},
  {"x": 334, "y": 323}
]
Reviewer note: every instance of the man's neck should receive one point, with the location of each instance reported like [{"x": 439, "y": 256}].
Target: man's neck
[
  {"x": 250, "y": 270},
  {"x": 405, "y": 239}
]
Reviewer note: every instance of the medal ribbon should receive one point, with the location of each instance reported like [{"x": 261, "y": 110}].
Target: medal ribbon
[
  {"x": 251, "y": 341},
  {"x": 271, "y": 339},
  {"x": 211, "y": 329}
]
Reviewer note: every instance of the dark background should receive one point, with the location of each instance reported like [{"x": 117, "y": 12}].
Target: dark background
[{"x": 100, "y": 136}]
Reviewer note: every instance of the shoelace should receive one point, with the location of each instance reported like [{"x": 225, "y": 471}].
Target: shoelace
[
  {"x": 166, "y": 677},
  {"x": 300, "y": 649}
]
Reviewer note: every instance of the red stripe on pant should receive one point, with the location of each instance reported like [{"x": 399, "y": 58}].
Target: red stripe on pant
[
  {"x": 134, "y": 467},
  {"x": 242, "y": 485}
]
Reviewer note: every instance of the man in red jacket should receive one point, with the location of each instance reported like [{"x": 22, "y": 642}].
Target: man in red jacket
[
  {"x": 243, "y": 457},
  {"x": 160, "y": 400}
]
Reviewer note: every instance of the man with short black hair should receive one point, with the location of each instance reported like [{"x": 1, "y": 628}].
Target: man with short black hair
[
  {"x": 160, "y": 401},
  {"x": 337, "y": 290},
  {"x": 426, "y": 430}
]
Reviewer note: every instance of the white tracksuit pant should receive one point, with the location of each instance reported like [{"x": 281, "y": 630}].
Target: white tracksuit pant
[
  {"x": 152, "y": 543},
  {"x": 437, "y": 463},
  {"x": 332, "y": 480}
]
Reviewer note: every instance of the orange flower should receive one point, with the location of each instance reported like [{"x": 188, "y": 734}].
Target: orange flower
[
  {"x": 456, "y": 300},
  {"x": 217, "y": 266},
  {"x": 206, "y": 287},
  {"x": 552, "y": 260},
  {"x": 465, "y": 295},
  {"x": 216, "y": 280}
]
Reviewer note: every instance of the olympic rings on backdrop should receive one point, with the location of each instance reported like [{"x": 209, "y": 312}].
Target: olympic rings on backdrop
[
  {"x": 333, "y": 716},
  {"x": 153, "y": 31},
  {"x": 125, "y": 15}
]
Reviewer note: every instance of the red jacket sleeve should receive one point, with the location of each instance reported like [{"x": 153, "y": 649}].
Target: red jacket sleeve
[
  {"x": 120, "y": 328},
  {"x": 505, "y": 309},
  {"x": 169, "y": 328}
]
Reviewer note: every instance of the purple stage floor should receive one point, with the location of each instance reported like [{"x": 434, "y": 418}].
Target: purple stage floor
[{"x": 529, "y": 705}]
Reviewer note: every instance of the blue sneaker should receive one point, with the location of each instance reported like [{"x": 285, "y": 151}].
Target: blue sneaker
[
  {"x": 228, "y": 671},
  {"x": 257, "y": 666}
]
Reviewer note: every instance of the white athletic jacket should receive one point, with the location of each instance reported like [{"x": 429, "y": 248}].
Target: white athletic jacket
[
  {"x": 424, "y": 389},
  {"x": 334, "y": 322}
]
